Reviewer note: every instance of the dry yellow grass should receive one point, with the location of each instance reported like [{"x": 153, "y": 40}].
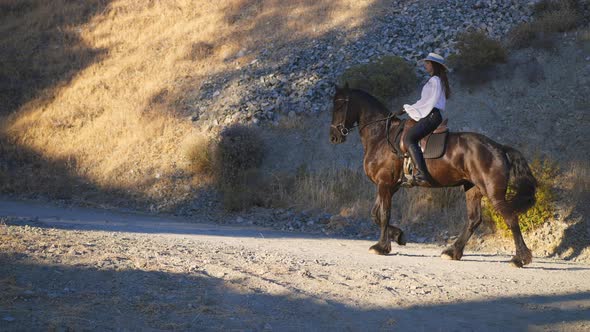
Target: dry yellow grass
[
  {"x": 350, "y": 193},
  {"x": 116, "y": 79}
]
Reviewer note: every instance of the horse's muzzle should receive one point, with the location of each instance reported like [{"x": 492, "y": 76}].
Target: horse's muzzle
[{"x": 336, "y": 137}]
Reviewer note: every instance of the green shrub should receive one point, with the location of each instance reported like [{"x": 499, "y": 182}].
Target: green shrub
[
  {"x": 476, "y": 51},
  {"x": 389, "y": 76},
  {"x": 545, "y": 172},
  {"x": 237, "y": 156}
]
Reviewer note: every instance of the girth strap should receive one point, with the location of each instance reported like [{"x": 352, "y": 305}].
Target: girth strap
[{"x": 396, "y": 137}]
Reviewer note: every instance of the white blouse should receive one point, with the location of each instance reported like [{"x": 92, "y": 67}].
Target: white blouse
[{"x": 432, "y": 96}]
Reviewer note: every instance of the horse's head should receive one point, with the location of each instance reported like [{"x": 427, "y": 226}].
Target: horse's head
[{"x": 341, "y": 122}]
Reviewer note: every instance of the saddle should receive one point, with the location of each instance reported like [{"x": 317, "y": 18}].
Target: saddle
[{"x": 433, "y": 145}]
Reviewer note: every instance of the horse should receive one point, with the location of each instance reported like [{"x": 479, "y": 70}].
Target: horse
[{"x": 480, "y": 165}]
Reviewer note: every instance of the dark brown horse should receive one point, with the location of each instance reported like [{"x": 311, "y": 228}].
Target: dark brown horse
[{"x": 480, "y": 165}]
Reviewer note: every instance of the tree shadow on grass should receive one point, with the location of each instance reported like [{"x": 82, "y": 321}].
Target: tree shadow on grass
[
  {"x": 110, "y": 296},
  {"x": 41, "y": 48}
]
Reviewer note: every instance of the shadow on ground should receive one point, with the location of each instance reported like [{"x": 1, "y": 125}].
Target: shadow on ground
[{"x": 39, "y": 296}]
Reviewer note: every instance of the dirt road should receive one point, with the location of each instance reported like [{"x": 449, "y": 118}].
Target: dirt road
[{"x": 82, "y": 269}]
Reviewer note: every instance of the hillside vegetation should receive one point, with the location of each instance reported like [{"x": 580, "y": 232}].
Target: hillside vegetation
[{"x": 95, "y": 94}]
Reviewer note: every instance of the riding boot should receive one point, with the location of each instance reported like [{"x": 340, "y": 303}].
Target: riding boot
[{"x": 421, "y": 175}]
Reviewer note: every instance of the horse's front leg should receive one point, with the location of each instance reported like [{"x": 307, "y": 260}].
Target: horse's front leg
[{"x": 380, "y": 214}]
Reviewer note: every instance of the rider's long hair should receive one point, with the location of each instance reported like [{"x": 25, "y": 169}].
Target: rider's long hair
[{"x": 440, "y": 71}]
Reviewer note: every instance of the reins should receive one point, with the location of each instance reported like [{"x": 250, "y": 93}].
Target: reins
[{"x": 341, "y": 127}]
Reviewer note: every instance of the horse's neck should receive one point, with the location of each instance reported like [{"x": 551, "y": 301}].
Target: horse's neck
[{"x": 371, "y": 127}]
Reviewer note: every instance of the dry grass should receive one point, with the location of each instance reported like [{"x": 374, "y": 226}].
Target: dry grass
[
  {"x": 199, "y": 153},
  {"x": 100, "y": 98},
  {"x": 350, "y": 194},
  {"x": 550, "y": 17},
  {"x": 332, "y": 189},
  {"x": 577, "y": 176}
]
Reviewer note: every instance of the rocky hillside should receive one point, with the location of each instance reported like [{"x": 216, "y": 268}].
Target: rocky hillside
[{"x": 295, "y": 77}]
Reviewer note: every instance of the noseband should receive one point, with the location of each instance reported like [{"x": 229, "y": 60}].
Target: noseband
[{"x": 341, "y": 127}]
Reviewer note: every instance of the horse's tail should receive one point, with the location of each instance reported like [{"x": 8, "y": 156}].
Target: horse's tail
[{"x": 523, "y": 183}]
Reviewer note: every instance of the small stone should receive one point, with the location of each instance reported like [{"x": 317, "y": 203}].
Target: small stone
[
  {"x": 8, "y": 318},
  {"x": 292, "y": 114}
]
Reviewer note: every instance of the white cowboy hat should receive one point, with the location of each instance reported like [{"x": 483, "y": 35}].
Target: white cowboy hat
[{"x": 436, "y": 58}]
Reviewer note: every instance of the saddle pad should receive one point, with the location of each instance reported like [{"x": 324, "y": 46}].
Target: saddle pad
[{"x": 435, "y": 146}]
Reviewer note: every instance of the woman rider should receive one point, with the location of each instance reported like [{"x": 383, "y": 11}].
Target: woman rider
[{"x": 427, "y": 113}]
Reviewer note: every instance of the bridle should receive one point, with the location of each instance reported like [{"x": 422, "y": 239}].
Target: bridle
[{"x": 342, "y": 128}]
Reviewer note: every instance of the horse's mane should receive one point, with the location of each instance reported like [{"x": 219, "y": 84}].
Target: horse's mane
[{"x": 371, "y": 100}]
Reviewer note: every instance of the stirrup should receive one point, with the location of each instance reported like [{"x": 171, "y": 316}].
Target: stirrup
[
  {"x": 421, "y": 180},
  {"x": 407, "y": 182},
  {"x": 413, "y": 181}
]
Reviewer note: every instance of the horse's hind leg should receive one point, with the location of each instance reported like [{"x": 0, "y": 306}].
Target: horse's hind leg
[
  {"x": 380, "y": 214},
  {"x": 396, "y": 235},
  {"x": 523, "y": 255},
  {"x": 473, "y": 197}
]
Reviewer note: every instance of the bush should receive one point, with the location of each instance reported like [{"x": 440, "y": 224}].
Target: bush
[
  {"x": 247, "y": 189},
  {"x": 549, "y": 17},
  {"x": 237, "y": 156},
  {"x": 199, "y": 153},
  {"x": 546, "y": 6},
  {"x": 476, "y": 51},
  {"x": 545, "y": 172},
  {"x": 561, "y": 20},
  {"x": 389, "y": 76},
  {"x": 522, "y": 35}
]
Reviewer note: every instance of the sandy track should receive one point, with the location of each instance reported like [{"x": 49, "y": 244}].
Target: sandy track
[{"x": 92, "y": 269}]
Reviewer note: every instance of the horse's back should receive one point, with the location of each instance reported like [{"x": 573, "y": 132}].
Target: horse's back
[{"x": 471, "y": 153}]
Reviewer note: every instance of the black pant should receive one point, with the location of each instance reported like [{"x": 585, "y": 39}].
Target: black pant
[{"x": 423, "y": 127}]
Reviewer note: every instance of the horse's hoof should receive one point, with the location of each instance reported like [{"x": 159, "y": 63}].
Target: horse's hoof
[
  {"x": 528, "y": 258},
  {"x": 374, "y": 251},
  {"x": 377, "y": 250},
  {"x": 401, "y": 239},
  {"x": 451, "y": 255},
  {"x": 515, "y": 262},
  {"x": 446, "y": 257}
]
